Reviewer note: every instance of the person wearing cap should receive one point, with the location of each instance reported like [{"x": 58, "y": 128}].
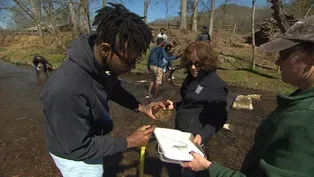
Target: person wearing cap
[
  {"x": 204, "y": 36},
  {"x": 284, "y": 142}
]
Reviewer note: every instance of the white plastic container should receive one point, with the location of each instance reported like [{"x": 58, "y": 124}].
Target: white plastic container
[{"x": 174, "y": 146}]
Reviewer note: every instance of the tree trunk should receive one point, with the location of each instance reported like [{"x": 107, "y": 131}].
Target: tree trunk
[
  {"x": 211, "y": 21},
  {"x": 36, "y": 7},
  {"x": 253, "y": 34},
  {"x": 195, "y": 14},
  {"x": 85, "y": 7},
  {"x": 52, "y": 17},
  {"x": 308, "y": 11},
  {"x": 104, "y": 3},
  {"x": 73, "y": 17},
  {"x": 279, "y": 15},
  {"x": 183, "y": 15},
  {"x": 145, "y": 10},
  {"x": 167, "y": 9},
  {"x": 235, "y": 27}
]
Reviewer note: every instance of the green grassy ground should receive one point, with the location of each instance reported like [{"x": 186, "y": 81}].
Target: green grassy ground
[
  {"x": 25, "y": 57},
  {"x": 237, "y": 73}
]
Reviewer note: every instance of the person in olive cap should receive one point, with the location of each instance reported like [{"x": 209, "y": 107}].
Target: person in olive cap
[{"x": 284, "y": 142}]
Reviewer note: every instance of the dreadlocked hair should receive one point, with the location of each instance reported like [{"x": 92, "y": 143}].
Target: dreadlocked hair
[{"x": 117, "y": 23}]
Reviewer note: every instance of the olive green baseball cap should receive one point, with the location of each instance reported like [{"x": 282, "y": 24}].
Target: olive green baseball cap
[{"x": 301, "y": 31}]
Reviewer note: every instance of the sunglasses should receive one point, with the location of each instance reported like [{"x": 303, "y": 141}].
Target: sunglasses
[
  {"x": 125, "y": 61},
  {"x": 196, "y": 64}
]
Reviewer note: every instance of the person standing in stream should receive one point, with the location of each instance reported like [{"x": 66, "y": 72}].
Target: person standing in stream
[
  {"x": 37, "y": 59},
  {"x": 75, "y": 99}
]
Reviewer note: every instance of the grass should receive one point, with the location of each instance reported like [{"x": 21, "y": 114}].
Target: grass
[
  {"x": 25, "y": 57},
  {"x": 237, "y": 74}
]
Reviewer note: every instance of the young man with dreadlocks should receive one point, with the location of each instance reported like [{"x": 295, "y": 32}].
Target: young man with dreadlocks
[{"x": 75, "y": 99}]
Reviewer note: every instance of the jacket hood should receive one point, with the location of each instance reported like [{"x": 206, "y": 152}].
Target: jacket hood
[
  {"x": 81, "y": 52},
  {"x": 297, "y": 97}
]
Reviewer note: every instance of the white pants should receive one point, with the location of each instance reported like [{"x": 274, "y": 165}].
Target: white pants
[{"x": 87, "y": 168}]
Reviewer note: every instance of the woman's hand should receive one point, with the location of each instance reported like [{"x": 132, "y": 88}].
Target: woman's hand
[
  {"x": 171, "y": 106},
  {"x": 198, "y": 163},
  {"x": 198, "y": 139},
  {"x": 148, "y": 109}
]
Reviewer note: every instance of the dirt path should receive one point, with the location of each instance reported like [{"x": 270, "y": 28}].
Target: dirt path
[{"x": 22, "y": 146}]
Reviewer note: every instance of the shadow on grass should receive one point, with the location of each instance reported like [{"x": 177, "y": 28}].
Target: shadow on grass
[
  {"x": 246, "y": 68},
  {"x": 258, "y": 73}
]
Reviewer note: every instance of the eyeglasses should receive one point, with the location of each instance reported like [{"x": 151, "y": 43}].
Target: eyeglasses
[
  {"x": 127, "y": 62},
  {"x": 196, "y": 64}
]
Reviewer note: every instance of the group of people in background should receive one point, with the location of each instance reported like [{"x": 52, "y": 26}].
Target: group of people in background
[
  {"x": 160, "y": 58},
  {"x": 76, "y": 109}
]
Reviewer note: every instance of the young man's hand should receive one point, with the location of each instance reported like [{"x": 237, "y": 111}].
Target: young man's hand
[
  {"x": 148, "y": 109},
  {"x": 171, "y": 106},
  {"x": 198, "y": 139},
  {"x": 140, "y": 137},
  {"x": 198, "y": 163}
]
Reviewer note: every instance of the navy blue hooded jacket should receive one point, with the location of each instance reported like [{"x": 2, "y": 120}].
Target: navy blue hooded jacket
[
  {"x": 203, "y": 108},
  {"x": 75, "y": 106}
]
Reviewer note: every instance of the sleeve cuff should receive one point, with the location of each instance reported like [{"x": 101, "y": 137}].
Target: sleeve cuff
[
  {"x": 176, "y": 105},
  {"x": 121, "y": 145},
  {"x": 214, "y": 169}
]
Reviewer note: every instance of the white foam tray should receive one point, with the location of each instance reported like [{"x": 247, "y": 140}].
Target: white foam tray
[{"x": 175, "y": 146}]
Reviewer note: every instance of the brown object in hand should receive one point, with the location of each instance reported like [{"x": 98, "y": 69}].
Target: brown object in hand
[{"x": 162, "y": 114}]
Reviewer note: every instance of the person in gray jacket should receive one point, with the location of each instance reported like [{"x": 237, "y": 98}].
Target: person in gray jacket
[
  {"x": 75, "y": 99},
  {"x": 204, "y": 36}
]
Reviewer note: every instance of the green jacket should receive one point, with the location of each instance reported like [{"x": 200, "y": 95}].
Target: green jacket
[{"x": 284, "y": 142}]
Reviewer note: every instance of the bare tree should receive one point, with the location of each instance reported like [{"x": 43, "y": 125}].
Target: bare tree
[
  {"x": 146, "y": 4},
  {"x": 211, "y": 20},
  {"x": 49, "y": 9},
  {"x": 195, "y": 14},
  {"x": 37, "y": 11},
  {"x": 166, "y": 2},
  {"x": 299, "y": 8},
  {"x": 309, "y": 10},
  {"x": 84, "y": 6},
  {"x": 73, "y": 17},
  {"x": 253, "y": 34},
  {"x": 183, "y": 24},
  {"x": 104, "y": 3},
  {"x": 279, "y": 15}
]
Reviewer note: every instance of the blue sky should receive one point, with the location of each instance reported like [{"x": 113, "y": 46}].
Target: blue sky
[{"x": 157, "y": 7}]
